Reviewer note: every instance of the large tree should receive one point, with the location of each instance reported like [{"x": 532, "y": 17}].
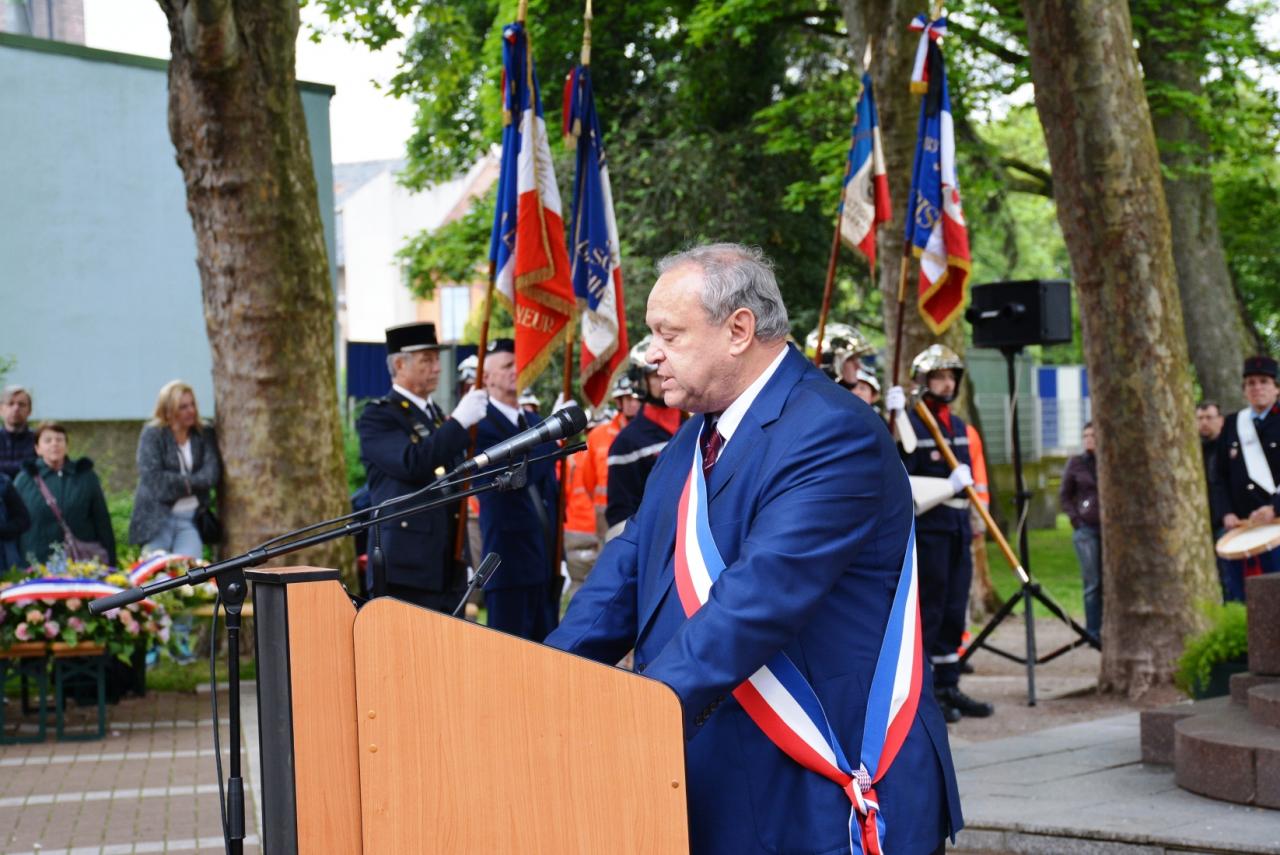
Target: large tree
[
  {"x": 1175, "y": 47},
  {"x": 1157, "y": 554},
  {"x": 236, "y": 120}
]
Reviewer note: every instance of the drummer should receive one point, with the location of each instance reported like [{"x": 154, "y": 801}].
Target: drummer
[{"x": 1249, "y": 467}]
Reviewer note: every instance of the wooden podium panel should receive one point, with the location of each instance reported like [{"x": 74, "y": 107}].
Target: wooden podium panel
[{"x": 472, "y": 741}]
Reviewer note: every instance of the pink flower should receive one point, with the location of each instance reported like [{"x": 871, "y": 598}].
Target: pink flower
[
  {"x": 48, "y": 614},
  {"x": 51, "y": 629},
  {"x": 35, "y": 616},
  {"x": 150, "y": 627},
  {"x": 76, "y": 624},
  {"x": 22, "y": 632},
  {"x": 73, "y": 604},
  {"x": 164, "y": 635},
  {"x": 132, "y": 628}
]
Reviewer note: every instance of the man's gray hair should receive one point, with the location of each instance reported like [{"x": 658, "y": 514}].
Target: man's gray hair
[
  {"x": 392, "y": 359},
  {"x": 9, "y": 391},
  {"x": 736, "y": 276}
]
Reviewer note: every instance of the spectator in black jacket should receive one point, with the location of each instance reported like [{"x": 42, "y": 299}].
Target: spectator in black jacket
[
  {"x": 1209, "y": 421},
  {"x": 1079, "y": 500},
  {"x": 14, "y": 520},
  {"x": 17, "y": 442}
]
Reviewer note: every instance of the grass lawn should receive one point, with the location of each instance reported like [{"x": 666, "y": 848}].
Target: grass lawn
[{"x": 1053, "y": 565}]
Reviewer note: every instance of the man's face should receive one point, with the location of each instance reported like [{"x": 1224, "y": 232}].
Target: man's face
[
  {"x": 1208, "y": 422},
  {"x": 692, "y": 354},
  {"x": 1090, "y": 441},
  {"x": 630, "y": 406},
  {"x": 849, "y": 370},
  {"x": 1260, "y": 391},
  {"x": 419, "y": 372},
  {"x": 16, "y": 411},
  {"x": 942, "y": 383},
  {"x": 500, "y": 376}
]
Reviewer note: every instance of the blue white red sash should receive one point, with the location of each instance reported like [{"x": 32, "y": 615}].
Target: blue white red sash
[
  {"x": 62, "y": 589},
  {"x": 783, "y": 704},
  {"x": 146, "y": 569}
]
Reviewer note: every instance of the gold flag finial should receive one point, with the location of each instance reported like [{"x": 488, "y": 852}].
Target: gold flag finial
[
  {"x": 586, "y": 35},
  {"x": 522, "y": 11}
]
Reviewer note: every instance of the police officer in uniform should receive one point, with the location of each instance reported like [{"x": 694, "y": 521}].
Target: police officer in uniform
[
  {"x": 1248, "y": 468},
  {"x": 635, "y": 450},
  {"x": 405, "y": 443},
  {"x": 943, "y": 531}
]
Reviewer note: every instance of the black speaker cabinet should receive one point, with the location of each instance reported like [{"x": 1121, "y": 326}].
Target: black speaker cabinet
[{"x": 1017, "y": 314}]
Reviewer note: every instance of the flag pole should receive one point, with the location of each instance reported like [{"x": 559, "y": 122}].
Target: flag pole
[
  {"x": 831, "y": 276},
  {"x": 567, "y": 387}
]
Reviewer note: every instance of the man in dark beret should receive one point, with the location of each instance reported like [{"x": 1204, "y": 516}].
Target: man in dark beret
[
  {"x": 406, "y": 441},
  {"x": 1248, "y": 464}
]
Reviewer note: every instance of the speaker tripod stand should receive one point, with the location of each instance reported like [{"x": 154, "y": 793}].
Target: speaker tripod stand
[{"x": 1029, "y": 590}]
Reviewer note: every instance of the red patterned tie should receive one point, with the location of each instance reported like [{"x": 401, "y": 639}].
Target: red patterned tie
[{"x": 711, "y": 444}]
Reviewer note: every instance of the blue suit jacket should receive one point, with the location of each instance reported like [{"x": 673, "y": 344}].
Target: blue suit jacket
[
  {"x": 810, "y": 508},
  {"x": 509, "y": 522}
]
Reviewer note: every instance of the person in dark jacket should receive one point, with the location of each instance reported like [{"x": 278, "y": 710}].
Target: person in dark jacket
[
  {"x": 635, "y": 449},
  {"x": 1079, "y": 500},
  {"x": 519, "y": 525},
  {"x": 1248, "y": 467},
  {"x": 1209, "y": 421},
  {"x": 17, "y": 442},
  {"x": 14, "y": 520},
  {"x": 76, "y": 490},
  {"x": 405, "y": 443},
  {"x": 178, "y": 466}
]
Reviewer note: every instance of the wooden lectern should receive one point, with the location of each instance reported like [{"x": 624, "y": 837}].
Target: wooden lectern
[{"x": 401, "y": 730}]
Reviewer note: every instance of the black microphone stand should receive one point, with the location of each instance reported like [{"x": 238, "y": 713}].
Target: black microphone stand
[{"x": 229, "y": 576}]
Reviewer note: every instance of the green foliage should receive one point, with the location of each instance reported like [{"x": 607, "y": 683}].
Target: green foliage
[
  {"x": 120, "y": 507},
  {"x": 1226, "y": 640},
  {"x": 351, "y": 450}
]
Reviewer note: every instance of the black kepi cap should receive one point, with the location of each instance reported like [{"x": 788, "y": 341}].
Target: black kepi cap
[
  {"x": 1264, "y": 365},
  {"x": 406, "y": 338},
  {"x": 502, "y": 345}
]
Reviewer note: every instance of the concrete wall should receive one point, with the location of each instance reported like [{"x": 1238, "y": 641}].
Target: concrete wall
[{"x": 99, "y": 292}]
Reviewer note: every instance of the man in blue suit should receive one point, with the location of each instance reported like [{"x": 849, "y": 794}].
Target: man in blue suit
[
  {"x": 519, "y": 525},
  {"x": 810, "y": 510}
]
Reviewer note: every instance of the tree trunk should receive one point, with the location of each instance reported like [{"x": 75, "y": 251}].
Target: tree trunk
[
  {"x": 1219, "y": 335},
  {"x": 1157, "y": 554},
  {"x": 236, "y": 120},
  {"x": 893, "y": 47}
]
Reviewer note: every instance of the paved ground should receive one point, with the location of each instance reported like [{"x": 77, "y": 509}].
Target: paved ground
[
  {"x": 1060, "y": 777},
  {"x": 149, "y": 786}
]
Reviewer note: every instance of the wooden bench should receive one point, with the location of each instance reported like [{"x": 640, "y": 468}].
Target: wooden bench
[{"x": 31, "y": 660}]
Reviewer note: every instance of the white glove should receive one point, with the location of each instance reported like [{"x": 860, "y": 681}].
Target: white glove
[
  {"x": 471, "y": 408},
  {"x": 561, "y": 403},
  {"x": 895, "y": 399},
  {"x": 960, "y": 478}
]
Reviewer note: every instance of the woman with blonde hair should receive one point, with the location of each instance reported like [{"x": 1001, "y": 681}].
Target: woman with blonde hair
[{"x": 177, "y": 467}]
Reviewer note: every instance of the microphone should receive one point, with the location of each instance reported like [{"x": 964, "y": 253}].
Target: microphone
[{"x": 566, "y": 422}]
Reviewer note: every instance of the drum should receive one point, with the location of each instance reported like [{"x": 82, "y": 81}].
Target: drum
[{"x": 1248, "y": 541}]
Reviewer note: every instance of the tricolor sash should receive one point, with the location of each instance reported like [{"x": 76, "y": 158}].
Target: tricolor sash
[
  {"x": 1255, "y": 459},
  {"x": 780, "y": 700}
]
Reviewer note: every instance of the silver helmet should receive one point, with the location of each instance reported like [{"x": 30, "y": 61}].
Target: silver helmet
[{"x": 936, "y": 357}]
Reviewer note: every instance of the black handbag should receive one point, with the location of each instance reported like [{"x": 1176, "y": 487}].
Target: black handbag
[{"x": 208, "y": 525}]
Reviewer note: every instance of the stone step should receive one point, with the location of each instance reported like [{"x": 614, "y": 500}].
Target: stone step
[
  {"x": 1264, "y": 704},
  {"x": 1242, "y": 683},
  {"x": 1227, "y": 755},
  {"x": 1262, "y": 595},
  {"x": 1156, "y": 726}
]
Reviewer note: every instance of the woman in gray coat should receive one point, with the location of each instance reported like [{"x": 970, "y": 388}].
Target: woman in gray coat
[{"x": 177, "y": 467}]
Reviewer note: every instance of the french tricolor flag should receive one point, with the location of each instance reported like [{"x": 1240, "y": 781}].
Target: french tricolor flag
[
  {"x": 935, "y": 226},
  {"x": 864, "y": 202},
  {"x": 527, "y": 248},
  {"x": 597, "y": 259}
]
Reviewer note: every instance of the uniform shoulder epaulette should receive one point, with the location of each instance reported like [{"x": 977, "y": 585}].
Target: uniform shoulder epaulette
[{"x": 378, "y": 402}]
